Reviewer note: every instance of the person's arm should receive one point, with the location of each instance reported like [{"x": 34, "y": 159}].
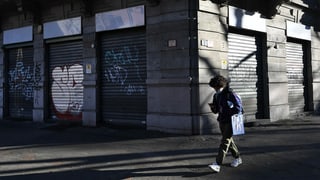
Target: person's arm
[{"x": 214, "y": 105}]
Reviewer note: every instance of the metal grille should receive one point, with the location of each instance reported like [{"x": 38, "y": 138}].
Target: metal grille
[
  {"x": 123, "y": 77},
  {"x": 66, "y": 80},
  {"x": 243, "y": 72},
  {"x": 21, "y": 82},
  {"x": 294, "y": 56}
]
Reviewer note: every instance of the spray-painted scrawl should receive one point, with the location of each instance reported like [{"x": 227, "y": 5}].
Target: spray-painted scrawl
[
  {"x": 23, "y": 77},
  {"x": 67, "y": 92},
  {"x": 121, "y": 65}
]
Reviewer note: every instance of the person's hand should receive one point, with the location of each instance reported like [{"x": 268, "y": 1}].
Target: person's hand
[{"x": 213, "y": 107}]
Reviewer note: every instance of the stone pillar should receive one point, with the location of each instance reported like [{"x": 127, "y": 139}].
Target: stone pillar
[
  {"x": 277, "y": 70},
  {"x": 39, "y": 75},
  {"x": 168, "y": 68},
  {"x": 1, "y": 79},
  {"x": 89, "y": 117},
  {"x": 315, "y": 54},
  {"x": 213, "y": 57}
]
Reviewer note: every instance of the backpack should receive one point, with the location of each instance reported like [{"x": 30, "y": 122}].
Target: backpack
[
  {"x": 239, "y": 101},
  {"x": 238, "y": 98}
]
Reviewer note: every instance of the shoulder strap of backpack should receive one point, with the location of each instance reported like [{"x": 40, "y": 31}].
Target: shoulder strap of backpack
[{"x": 239, "y": 100}]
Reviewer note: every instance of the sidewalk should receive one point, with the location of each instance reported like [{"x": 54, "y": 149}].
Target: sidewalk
[{"x": 282, "y": 150}]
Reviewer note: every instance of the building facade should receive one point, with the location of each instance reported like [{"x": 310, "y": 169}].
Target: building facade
[{"x": 147, "y": 63}]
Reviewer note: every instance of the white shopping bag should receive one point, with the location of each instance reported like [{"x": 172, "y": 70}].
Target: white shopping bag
[{"x": 237, "y": 121}]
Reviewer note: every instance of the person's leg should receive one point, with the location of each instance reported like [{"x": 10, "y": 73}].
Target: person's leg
[
  {"x": 235, "y": 153},
  {"x": 226, "y": 131},
  {"x": 234, "y": 149}
]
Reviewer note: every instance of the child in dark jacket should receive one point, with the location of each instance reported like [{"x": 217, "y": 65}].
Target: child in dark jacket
[{"x": 225, "y": 104}]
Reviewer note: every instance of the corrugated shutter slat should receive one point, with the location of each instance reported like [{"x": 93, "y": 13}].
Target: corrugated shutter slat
[
  {"x": 242, "y": 68},
  {"x": 294, "y": 56},
  {"x": 66, "y": 80},
  {"x": 21, "y": 82},
  {"x": 123, "y": 75}
]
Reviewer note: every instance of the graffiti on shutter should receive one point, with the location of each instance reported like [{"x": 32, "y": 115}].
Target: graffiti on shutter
[
  {"x": 66, "y": 80},
  {"x": 23, "y": 78},
  {"x": 123, "y": 77}
]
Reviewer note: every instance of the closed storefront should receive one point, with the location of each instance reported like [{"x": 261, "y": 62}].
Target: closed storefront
[
  {"x": 295, "y": 74},
  {"x": 22, "y": 78},
  {"x": 66, "y": 80},
  {"x": 123, "y": 77},
  {"x": 245, "y": 72},
  {"x": 147, "y": 64}
]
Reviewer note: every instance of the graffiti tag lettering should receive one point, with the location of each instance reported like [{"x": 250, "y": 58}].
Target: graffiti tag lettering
[
  {"x": 23, "y": 79},
  {"x": 67, "y": 91},
  {"x": 121, "y": 64}
]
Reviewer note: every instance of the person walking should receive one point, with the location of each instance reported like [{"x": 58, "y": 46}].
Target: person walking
[{"x": 225, "y": 104}]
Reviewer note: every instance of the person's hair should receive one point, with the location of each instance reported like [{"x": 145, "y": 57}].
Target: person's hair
[{"x": 218, "y": 82}]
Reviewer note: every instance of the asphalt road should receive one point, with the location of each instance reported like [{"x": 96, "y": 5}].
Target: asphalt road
[{"x": 285, "y": 150}]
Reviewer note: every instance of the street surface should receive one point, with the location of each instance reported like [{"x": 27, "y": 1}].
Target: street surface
[{"x": 285, "y": 150}]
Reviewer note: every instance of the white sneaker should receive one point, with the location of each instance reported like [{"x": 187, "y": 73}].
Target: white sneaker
[
  {"x": 236, "y": 162},
  {"x": 215, "y": 167}
]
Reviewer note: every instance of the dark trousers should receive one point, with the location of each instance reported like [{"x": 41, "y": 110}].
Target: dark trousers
[{"x": 227, "y": 143}]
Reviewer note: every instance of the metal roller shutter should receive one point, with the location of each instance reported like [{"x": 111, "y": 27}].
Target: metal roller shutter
[
  {"x": 21, "y": 82},
  {"x": 294, "y": 56},
  {"x": 243, "y": 72},
  {"x": 66, "y": 80},
  {"x": 123, "y": 77}
]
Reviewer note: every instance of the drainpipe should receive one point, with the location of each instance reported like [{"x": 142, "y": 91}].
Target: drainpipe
[{"x": 193, "y": 66}]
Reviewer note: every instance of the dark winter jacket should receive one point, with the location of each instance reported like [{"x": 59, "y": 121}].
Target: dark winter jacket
[{"x": 226, "y": 105}]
